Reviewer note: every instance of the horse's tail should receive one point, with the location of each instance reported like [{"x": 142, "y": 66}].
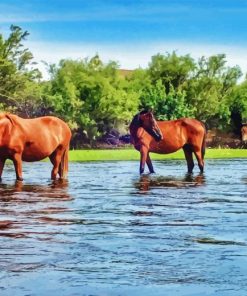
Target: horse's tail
[
  {"x": 203, "y": 147},
  {"x": 64, "y": 165}
]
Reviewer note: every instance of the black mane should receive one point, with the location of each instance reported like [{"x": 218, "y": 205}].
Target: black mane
[{"x": 136, "y": 119}]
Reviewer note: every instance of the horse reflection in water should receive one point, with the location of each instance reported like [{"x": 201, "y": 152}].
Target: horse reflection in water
[
  {"x": 147, "y": 182},
  {"x": 25, "y": 207},
  {"x": 28, "y": 192}
]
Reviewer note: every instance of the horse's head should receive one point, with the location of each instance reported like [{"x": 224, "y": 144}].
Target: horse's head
[{"x": 148, "y": 122}]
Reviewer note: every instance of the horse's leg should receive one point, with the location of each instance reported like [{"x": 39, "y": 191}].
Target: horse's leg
[
  {"x": 2, "y": 162},
  {"x": 55, "y": 159},
  {"x": 189, "y": 158},
  {"x": 60, "y": 170},
  {"x": 63, "y": 166},
  {"x": 18, "y": 166},
  {"x": 149, "y": 164},
  {"x": 66, "y": 162},
  {"x": 144, "y": 153},
  {"x": 199, "y": 157}
]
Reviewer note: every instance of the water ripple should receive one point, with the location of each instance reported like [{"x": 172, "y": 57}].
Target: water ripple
[{"x": 110, "y": 232}]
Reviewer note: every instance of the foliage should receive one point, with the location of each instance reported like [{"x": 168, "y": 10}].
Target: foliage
[
  {"x": 171, "y": 69},
  {"x": 238, "y": 102},
  {"x": 166, "y": 104},
  {"x": 210, "y": 88},
  {"x": 18, "y": 86},
  {"x": 92, "y": 96},
  {"x": 96, "y": 97}
]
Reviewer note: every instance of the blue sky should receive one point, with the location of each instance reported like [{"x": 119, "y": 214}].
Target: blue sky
[{"x": 130, "y": 31}]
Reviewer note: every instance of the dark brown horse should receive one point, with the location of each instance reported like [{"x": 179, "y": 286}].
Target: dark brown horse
[
  {"x": 33, "y": 140},
  {"x": 163, "y": 137}
]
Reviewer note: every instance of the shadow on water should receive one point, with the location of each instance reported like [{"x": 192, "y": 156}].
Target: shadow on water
[
  {"x": 43, "y": 202},
  {"x": 147, "y": 182}
]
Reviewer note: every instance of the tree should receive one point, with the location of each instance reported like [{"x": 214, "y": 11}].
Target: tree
[
  {"x": 18, "y": 78},
  {"x": 210, "y": 88},
  {"x": 238, "y": 106},
  {"x": 166, "y": 100},
  {"x": 171, "y": 69},
  {"x": 91, "y": 96}
]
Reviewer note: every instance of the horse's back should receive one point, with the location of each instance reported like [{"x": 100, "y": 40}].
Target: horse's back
[
  {"x": 191, "y": 130},
  {"x": 46, "y": 126},
  {"x": 192, "y": 125},
  {"x": 42, "y": 136},
  {"x": 186, "y": 126},
  {"x": 177, "y": 133}
]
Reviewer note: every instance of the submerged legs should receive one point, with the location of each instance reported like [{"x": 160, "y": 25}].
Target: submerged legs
[
  {"x": 56, "y": 158},
  {"x": 145, "y": 158},
  {"x": 149, "y": 164},
  {"x": 144, "y": 154},
  {"x": 18, "y": 166},
  {"x": 200, "y": 160},
  {"x": 189, "y": 158},
  {"x": 2, "y": 162},
  {"x": 188, "y": 152}
]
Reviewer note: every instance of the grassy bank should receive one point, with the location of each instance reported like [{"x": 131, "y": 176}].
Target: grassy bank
[{"x": 131, "y": 154}]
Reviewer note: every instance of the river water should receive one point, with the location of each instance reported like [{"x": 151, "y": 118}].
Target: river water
[{"x": 108, "y": 231}]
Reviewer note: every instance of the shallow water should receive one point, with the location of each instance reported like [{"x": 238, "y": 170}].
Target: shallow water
[{"x": 108, "y": 231}]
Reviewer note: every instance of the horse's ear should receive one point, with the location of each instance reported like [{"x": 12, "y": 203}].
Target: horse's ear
[{"x": 145, "y": 111}]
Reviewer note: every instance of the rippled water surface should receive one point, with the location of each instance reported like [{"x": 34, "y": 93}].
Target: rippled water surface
[{"x": 108, "y": 231}]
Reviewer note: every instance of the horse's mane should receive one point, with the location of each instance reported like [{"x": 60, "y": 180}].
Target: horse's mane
[
  {"x": 7, "y": 115},
  {"x": 135, "y": 124},
  {"x": 136, "y": 119}
]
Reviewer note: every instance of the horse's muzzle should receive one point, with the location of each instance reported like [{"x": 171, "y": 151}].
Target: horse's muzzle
[{"x": 157, "y": 136}]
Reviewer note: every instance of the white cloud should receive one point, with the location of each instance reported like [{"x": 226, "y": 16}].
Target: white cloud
[
  {"x": 100, "y": 11},
  {"x": 134, "y": 55}
]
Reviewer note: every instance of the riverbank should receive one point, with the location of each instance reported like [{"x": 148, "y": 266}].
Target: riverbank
[{"x": 131, "y": 154}]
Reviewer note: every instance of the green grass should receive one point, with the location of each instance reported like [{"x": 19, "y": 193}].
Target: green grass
[{"x": 131, "y": 154}]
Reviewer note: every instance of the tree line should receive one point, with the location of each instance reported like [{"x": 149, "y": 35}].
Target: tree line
[{"x": 96, "y": 97}]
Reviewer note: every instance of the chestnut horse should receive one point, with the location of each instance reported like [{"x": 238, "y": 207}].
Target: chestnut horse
[
  {"x": 163, "y": 137},
  {"x": 33, "y": 140},
  {"x": 244, "y": 132}
]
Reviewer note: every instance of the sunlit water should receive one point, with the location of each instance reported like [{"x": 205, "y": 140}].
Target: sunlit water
[{"x": 109, "y": 232}]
